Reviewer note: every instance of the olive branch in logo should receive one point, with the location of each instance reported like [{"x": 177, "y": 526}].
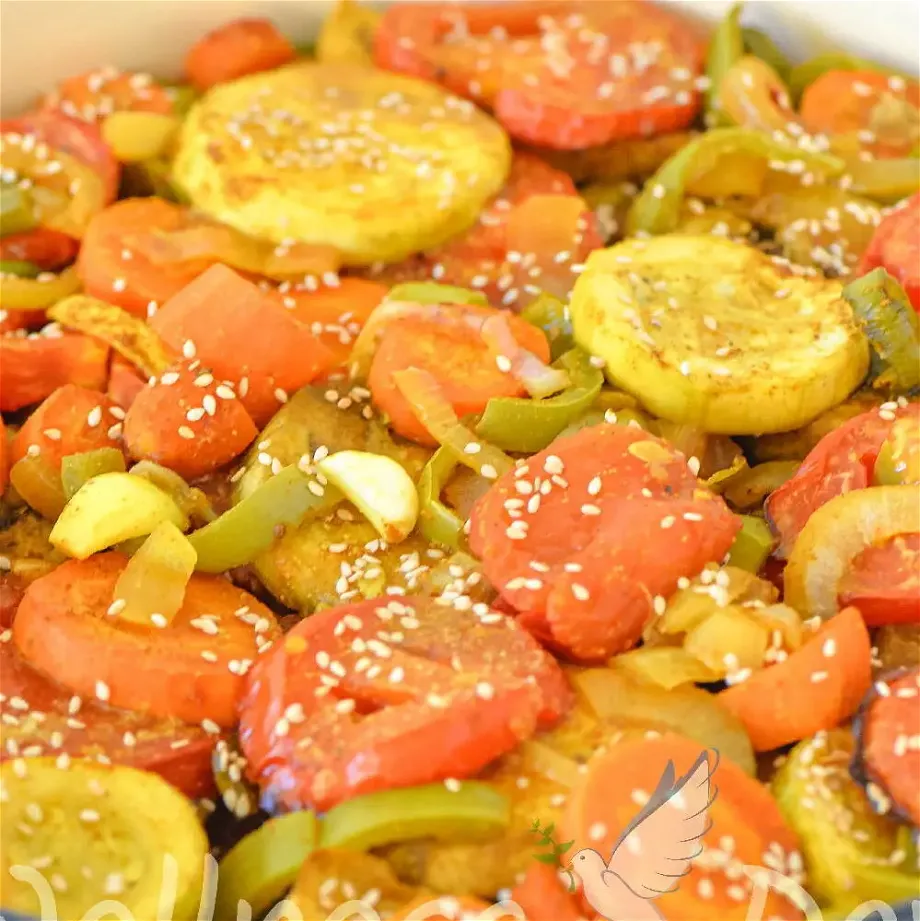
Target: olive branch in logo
[{"x": 552, "y": 856}]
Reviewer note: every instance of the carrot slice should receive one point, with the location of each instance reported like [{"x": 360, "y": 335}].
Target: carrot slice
[
  {"x": 188, "y": 421},
  {"x": 567, "y": 75},
  {"x": 246, "y": 46},
  {"x": 884, "y": 582},
  {"x": 125, "y": 383},
  {"x": 747, "y": 826},
  {"x": 235, "y": 329},
  {"x": 895, "y": 247},
  {"x": 582, "y": 537},
  {"x": 71, "y": 420},
  {"x": 334, "y": 314},
  {"x": 456, "y": 355},
  {"x": 47, "y": 720},
  {"x": 817, "y": 687},
  {"x": 33, "y": 367},
  {"x": 48, "y": 249},
  {"x": 382, "y": 694},
  {"x": 889, "y": 754},
  {"x": 92, "y": 95},
  {"x": 120, "y": 274},
  {"x": 191, "y": 670},
  {"x": 542, "y": 897},
  {"x": 851, "y": 101},
  {"x": 4, "y": 458}
]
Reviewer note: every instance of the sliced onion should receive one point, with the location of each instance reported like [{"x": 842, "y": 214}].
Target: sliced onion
[
  {"x": 537, "y": 378},
  {"x": 437, "y": 415}
]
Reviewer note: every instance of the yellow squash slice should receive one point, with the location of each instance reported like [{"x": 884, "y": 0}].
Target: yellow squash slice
[
  {"x": 711, "y": 332},
  {"x": 82, "y": 834},
  {"x": 377, "y": 165}
]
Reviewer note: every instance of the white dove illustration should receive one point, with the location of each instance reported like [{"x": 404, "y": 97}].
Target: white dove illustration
[{"x": 655, "y": 850}]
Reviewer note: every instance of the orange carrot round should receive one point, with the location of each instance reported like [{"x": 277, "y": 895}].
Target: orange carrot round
[
  {"x": 817, "y": 687},
  {"x": 246, "y": 46},
  {"x": 73, "y": 419},
  {"x": 4, "y": 458},
  {"x": 125, "y": 382},
  {"x": 33, "y": 367},
  {"x": 746, "y": 825},
  {"x": 188, "y": 421},
  {"x": 542, "y": 897},
  {"x": 456, "y": 355},
  {"x": 192, "y": 669},
  {"x": 92, "y": 95}
]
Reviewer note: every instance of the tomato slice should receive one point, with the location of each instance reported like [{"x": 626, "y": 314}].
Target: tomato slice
[
  {"x": 72, "y": 136},
  {"x": 842, "y": 461},
  {"x": 567, "y": 75},
  {"x": 895, "y": 247},
  {"x": 48, "y": 249},
  {"x": 582, "y": 537},
  {"x": 882, "y": 111},
  {"x": 510, "y": 255},
  {"x": 40, "y": 718},
  {"x": 884, "y": 582},
  {"x": 890, "y": 756},
  {"x": 386, "y": 694},
  {"x": 93, "y": 95}
]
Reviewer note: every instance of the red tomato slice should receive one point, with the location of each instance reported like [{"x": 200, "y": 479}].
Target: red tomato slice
[
  {"x": 568, "y": 75},
  {"x": 884, "y": 582},
  {"x": 509, "y": 254},
  {"x": 48, "y": 249},
  {"x": 890, "y": 756},
  {"x": 895, "y": 247},
  {"x": 378, "y": 695},
  {"x": 582, "y": 537},
  {"x": 92, "y": 95},
  {"x": 33, "y": 367},
  {"x": 74, "y": 137},
  {"x": 842, "y": 461},
  {"x": 40, "y": 718}
]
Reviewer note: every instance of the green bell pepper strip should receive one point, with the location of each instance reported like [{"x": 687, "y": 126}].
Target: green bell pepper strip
[
  {"x": 552, "y": 316},
  {"x": 183, "y": 96},
  {"x": 21, "y": 293},
  {"x": 657, "y": 209},
  {"x": 527, "y": 426},
  {"x": 39, "y": 485},
  {"x": 436, "y": 521},
  {"x": 803, "y": 75},
  {"x": 430, "y": 811},
  {"x": 892, "y": 328},
  {"x": 243, "y": 532},
  {"x": 885, "y": 181},
  {"x": 752, "y": 545},
  {"x": 259, "y": 868},
  {"x": 16, "y": 212},
  {"x": 19, "y": 267},
  {"x": 430, "y": 292},
  {"x": 898, "y": 461},
  {"x": 228, "y": 766},
  {"x": 191, "y": 500},
  {"x": 76, "y": 469},
  {"x": 438, "y": 417},
  {"x": 762, "y": 46},
  {"x": 725, "y": 47}
]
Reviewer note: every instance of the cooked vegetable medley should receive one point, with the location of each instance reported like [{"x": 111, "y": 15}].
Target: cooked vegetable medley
[{"x": 421, "y": 442}]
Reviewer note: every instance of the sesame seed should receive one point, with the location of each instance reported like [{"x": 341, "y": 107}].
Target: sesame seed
[
  {"x": 580, "y": 592},
  {"x": 186, "y": 433},
  {"x": 102, "y": 690},
  {"x": 188, "y": 349}
]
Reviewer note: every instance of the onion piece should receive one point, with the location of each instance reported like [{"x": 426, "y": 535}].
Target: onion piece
[
  {"x": 151, "y": 588},
  {"x": 836, "y": 534},
  {"x": 435, "y": 412},
  {"x": 537, "y": 378}
]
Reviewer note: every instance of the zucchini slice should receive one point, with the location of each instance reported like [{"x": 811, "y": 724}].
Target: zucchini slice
[{"x": 713, "y": 333}]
